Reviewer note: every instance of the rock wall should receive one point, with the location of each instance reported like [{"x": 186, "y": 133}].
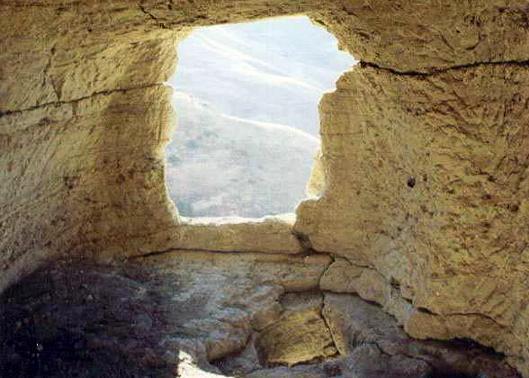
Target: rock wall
[
  {"x": 424, "y": 152},
  {"x": 429, "y": 188}
]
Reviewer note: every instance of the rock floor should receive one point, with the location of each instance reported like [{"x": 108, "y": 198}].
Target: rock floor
[{"x": 197, "y": 314}]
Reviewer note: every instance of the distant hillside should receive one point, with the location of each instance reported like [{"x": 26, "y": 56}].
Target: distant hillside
[
  {"x": 271, "y": 71},
  {"x": 247, "y": 104},
  {"x": 223, "y": 165}
]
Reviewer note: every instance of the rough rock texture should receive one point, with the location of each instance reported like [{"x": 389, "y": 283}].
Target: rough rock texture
[
  {"x": 172, "y": 315},
  {"x": 269, "y": 235},
  {"x": 67, "y": 317},
  {"x": 424, "y": 157},
  {"x": 430, "y": 191},
  {"x": 361, "y": 328},
  {"x": 300, "y": 335}
]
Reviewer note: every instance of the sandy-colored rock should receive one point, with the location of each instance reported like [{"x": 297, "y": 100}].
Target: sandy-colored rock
[
  {"x": 201, "y": 305},
  {"x": 293, "y": 273},
  {"x": 431, "y": 193},
  {"x": 424, "y": 156},
  {"x": 59, "y": 159},
  {"x": 316, "y": 185},
  {"x": 297, "y": 337},
  {"x": 269, "y": 235},
  {"x": 356, "y": 324},
  {"x": 341, "y": 277},
  {"x": 344, "y": 277}
]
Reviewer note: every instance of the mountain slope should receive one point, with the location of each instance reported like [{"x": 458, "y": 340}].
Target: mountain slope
[
  {"x": 224, "y": 165},
  {"x": 247, "y": 103},
  {"x": 272, "y": 71}
]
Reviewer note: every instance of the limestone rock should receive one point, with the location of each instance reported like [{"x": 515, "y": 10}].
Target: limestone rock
[
  {"x": 297, "y": 337},
  {"x": 423, "y": 36},
  {"x": 424, "y": 157},
  {"x": 300, "y": 371},
  {"x": 430, "y": 194},
  {"x": 362, "y": 364},
  {"x": 366, "y": 333},
  {"x": 270, "y": 234},
  {"x": 147, "y": 314},
  {"x": 316, "y": 184},
  {"x": 344, "y": 277},
  {"x": 176, "y": 314}
]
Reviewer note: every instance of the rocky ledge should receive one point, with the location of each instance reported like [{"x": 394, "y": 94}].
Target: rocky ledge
[{"x": 203, "y": 314}]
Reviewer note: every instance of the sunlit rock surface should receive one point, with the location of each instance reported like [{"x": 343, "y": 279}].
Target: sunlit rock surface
[
  {"x": 424, "y": 155},
  {"x": 431, "y": 195},
  {"x": 234, "y": 234}
]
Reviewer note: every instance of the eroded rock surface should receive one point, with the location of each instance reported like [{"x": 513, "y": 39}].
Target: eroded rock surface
[
  {"x": 232, "y": 234},
  {"x": 424, "y": 161},
  {"x": 363, "y": 329},
  {"x": 300, "y": 335},
  {"x": 173, "y": 315},
  {"x": 428, "y": 193},
  {"x": 76, "y": 318}
]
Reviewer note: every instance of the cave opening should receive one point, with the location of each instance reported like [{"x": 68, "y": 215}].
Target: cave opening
[{"x": 246, "y": 101}]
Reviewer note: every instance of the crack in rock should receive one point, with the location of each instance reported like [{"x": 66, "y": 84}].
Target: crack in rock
[{"x": 76, "y": 100}]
